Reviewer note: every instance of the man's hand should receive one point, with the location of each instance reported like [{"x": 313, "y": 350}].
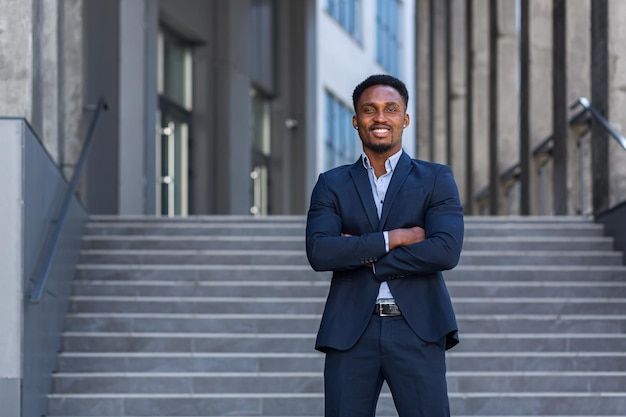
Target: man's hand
[{"x": 406, "y": 236}]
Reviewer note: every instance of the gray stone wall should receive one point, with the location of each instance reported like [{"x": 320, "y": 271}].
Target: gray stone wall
[
  {"x": 617, "y": 99},
  {"x": 42, "y": 73},
  {"x": 450, "y": 75}
]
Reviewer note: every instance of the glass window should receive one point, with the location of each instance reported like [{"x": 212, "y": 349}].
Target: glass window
[
  {"x": 261, "y": 152},
  {"x": 346, "y": 13},
  {"x": 387, "y": 34},
  {"x": 342, "y": 144},
  {"x": 174, "y": 172},
  {"x": 262, "y": 43},
  {"x": 175, "y": 69}
]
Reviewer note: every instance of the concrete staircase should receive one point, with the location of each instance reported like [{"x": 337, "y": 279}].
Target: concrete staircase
[{"x": 216, "y": 316}]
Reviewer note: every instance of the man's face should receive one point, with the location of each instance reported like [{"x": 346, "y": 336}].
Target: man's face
[{"x": 380, "y": 119}]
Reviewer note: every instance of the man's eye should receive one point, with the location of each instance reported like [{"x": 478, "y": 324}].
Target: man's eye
[
  {"x": 368, "y": 110},
  {"x": 392, "y": 110}
]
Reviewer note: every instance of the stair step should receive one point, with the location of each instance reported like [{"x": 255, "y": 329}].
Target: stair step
[
  {"x": 208, "y": 404},
  {"x": 244, "y": 242},
  {"x": 315, "y": 305},
  {"x": 198, "y": 257},
  {"x": 268, "y": 323},
  {"x": 320, "y": 288},
  {"x": 298, "y": 257},
  {"x": 217, "y": 315},
  {"x": 202, "y": 288},
  {"x": 125, "y": 361},
  {"x": 91, "y": 341},
  {"x": 312, "y": 382},
  {"x": 219, "y": 272},
  {"x": 247, "y": 242},
  {"x": 197, "y": 229}
]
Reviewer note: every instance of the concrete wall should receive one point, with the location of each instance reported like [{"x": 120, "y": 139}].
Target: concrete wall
[
  {"x": 137, "y": 115},
  {"x": 102, "y": 72},
  {"x": 12, "y": 262},
  {"x": 457, "y": 94},
  {"x": 617, "y": 99},
  {"x": 42, "y": 71},
  {"x": 32, "y": 194},
  {"x": 504, "y": 116},
  {"x": 480, "y": 102}
]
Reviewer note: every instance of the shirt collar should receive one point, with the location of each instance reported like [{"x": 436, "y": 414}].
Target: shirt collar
[{"x": 390, "y": 163}]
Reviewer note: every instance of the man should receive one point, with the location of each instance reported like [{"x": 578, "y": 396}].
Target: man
[{"x": 386, "y": 226}]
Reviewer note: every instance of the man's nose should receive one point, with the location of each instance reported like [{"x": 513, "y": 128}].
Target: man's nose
[{"x": 380, "y": 115}]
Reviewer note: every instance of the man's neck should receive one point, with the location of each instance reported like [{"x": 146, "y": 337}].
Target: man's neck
[{"x": 377, "y": 161}]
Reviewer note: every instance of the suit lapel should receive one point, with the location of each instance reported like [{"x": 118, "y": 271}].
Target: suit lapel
[
  {"x": 400, "y": 173},
  {"x": 362, "y": 183}
]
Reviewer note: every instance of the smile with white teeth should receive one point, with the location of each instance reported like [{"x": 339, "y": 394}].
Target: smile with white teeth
[{"x": 380, "y": 132}]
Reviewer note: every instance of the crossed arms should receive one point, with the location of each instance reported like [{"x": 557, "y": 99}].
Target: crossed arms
[{"x": 412, "y": 250}]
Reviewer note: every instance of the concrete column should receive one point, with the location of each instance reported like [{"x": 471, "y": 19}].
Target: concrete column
[
  {"x": 133, "y": 112},
  {"x": 438, "y": 82},
  {"x": 559, "y": 108},
  {"x": 600, "y": 100},
  {"x": 480, "y": 103},
  {"x": 51, "y": 104},
  {"x": 468, "y": 184},
  {"x": 457, "y": 122},
  {"x": 578, "y": 49},
  {"x": 72, "y": 82},
  {"x": 617, "y": 100},
  {"x": 422, "y": 89},
  {"x": 232, "y": 86},
  {"x": 288, "y": 143},
  {"x": 11, "y": 259},
  {"x": 508, "y": 99},
  {"x": 578, "y": 85},
  {"x": 540, "y": 85}
]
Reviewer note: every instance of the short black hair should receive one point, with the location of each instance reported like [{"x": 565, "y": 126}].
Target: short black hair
[{"x": 380, "y": 79}]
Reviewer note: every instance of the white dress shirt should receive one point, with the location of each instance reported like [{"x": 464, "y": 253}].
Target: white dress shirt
[{"x": 379, "y": 190}]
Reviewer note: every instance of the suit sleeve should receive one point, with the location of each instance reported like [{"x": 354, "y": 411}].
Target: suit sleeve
[
  {"x": 326, "y": 249},
  {"x": 444, "y": 229}
]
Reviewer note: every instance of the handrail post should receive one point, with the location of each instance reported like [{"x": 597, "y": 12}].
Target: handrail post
[{"x": 49, "y": 249}]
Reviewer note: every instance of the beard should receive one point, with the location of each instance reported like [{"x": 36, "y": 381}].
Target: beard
[{"x": 379, "y": 147}]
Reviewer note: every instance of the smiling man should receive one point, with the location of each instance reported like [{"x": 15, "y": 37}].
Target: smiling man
[{"x": 386, "y": 226}]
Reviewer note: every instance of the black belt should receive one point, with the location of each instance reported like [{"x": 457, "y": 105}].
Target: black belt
[{"x": 387, "y": 310}]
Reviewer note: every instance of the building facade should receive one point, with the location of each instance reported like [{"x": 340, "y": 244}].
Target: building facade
[
  {"x": 218, "y": 107},
  {"x": 499, "y": 90},
  {"x": 214, "y": 107}
]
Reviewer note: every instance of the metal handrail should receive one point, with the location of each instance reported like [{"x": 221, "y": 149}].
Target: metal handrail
[
  {"x": 586, "y": 104},
  {"x": 49, "y": 248},
  {"x": 545, "y": 147}
]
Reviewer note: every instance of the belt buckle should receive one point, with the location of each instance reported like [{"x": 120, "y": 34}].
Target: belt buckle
[{"x": 387, "y": 309}]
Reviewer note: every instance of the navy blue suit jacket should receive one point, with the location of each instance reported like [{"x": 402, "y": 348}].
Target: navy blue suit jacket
[{"x": 420, "y": 194}]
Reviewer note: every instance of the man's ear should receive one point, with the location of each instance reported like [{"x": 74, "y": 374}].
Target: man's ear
[{"x": 407, "y": 120}]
